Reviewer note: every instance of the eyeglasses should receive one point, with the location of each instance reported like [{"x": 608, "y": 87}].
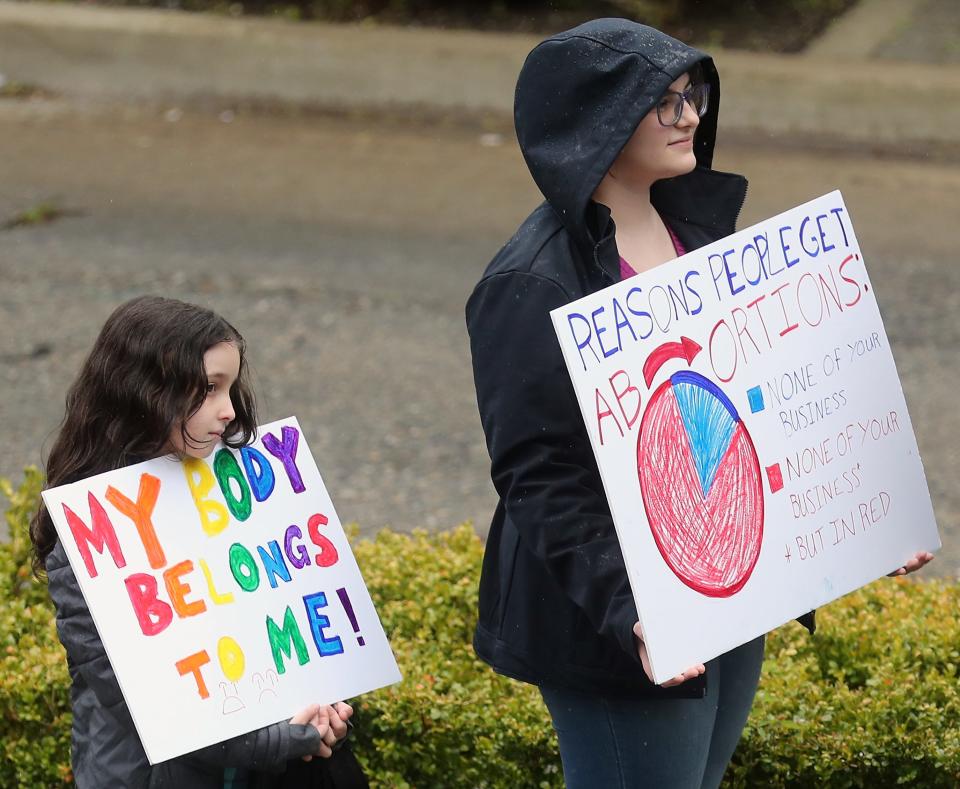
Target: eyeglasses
[{"x": 670, "y": 106}]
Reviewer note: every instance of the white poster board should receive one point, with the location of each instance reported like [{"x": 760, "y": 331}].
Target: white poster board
[
  {"x": 224, "y": 590},
  {"x": 751, "y": 432}
]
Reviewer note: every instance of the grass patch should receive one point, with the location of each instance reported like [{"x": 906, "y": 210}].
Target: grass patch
[{"x": 42, "y": 213}]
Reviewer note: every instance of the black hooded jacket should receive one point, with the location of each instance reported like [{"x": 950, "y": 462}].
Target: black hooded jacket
[{"x": 555, "y": 603}]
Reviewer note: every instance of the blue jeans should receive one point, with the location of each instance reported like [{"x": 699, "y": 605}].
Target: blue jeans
[{"x": 608, "y": 742}]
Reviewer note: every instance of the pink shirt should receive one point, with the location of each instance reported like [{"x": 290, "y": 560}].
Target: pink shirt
[{"x": 626, "y": 270}]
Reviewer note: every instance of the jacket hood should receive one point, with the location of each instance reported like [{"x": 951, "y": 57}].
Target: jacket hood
[{"x": 581, "y": 95}]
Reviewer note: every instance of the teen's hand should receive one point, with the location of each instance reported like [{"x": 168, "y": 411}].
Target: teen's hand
[
  {"x": 318, "y": 716},
  {"x": 913, "y": 564},
  {"x": 691, "y": 673}
]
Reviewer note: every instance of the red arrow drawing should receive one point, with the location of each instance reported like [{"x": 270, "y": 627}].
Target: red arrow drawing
[{"x": 686, "y": 349}]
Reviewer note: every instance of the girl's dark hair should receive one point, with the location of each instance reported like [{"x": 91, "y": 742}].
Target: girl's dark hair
[{"x": 141, "y": 381}]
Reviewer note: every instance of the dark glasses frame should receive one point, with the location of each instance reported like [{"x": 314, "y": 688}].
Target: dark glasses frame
[{"x": 692, "y": 95}]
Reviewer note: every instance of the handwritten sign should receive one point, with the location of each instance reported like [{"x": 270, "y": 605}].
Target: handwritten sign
[
  {"x": 224, "y": 590},
  {"x": 751, "y": 432}
]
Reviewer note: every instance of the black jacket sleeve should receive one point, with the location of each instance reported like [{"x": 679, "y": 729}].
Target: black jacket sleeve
[
  {"x": 265, "y": 750},
  {"x": 542, "y": 464},
  {"x": 111, "y": 728},
  {"x": 79, "y": 635}
]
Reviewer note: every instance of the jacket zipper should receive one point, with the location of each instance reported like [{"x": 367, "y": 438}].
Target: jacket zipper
[{"x": 596, "y": 261}]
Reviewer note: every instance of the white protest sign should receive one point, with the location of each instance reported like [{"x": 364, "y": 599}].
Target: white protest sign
[
  {"x": 751, "y": 432},
  {"x": 224, "y": 590}
]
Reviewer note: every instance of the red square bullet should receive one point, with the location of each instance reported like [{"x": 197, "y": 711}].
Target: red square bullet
[{"x": 775, "y": 477}]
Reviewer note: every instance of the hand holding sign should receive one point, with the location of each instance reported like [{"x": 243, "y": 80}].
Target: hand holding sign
[
  {"x": 330, "y": 721},
  {"x": 318, "y": 716},
  {"x": 913, "y": 564},
  {"x": 691, "y": 673}
]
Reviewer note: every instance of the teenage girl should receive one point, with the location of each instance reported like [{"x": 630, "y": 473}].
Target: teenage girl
[
  {"x": 617, "y": 124},
  {"x": 164, "y": 377}
]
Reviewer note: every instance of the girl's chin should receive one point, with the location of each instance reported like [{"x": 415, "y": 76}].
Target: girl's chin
[{"x": 196, "y": 453}]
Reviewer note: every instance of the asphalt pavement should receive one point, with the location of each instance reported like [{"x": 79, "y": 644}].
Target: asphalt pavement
[
  {"x": 829, "y": 97},
  {"x": 336, "y": 190}
]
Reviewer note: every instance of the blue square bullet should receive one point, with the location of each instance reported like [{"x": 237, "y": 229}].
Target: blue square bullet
[{"x": 755, "y": 396}]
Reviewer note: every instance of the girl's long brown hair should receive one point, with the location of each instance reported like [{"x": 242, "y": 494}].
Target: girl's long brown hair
[{"x": 142, "y": 380}]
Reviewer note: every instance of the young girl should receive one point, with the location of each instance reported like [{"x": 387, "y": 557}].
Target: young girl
[
  {"x": 164, "y": 377},
  {"x": 617, "y": 123}
]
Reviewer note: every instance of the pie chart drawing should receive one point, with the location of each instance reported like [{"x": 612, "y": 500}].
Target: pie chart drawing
[{"x": 701, "y": 485}]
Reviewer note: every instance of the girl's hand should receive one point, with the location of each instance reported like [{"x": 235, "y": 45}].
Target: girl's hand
[
  {"x": 690, "y": 673},
  {"x": 340, "y": 713},
  {"x": 914, "y": 564},
  {"x": 337, "y": 716},
  {"x": 318, "y": 716}
]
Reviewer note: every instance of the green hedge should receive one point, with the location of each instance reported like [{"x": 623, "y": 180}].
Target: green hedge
[
  {"x": 34, "y": 686},
  {"x": 870, "y": 701}
]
